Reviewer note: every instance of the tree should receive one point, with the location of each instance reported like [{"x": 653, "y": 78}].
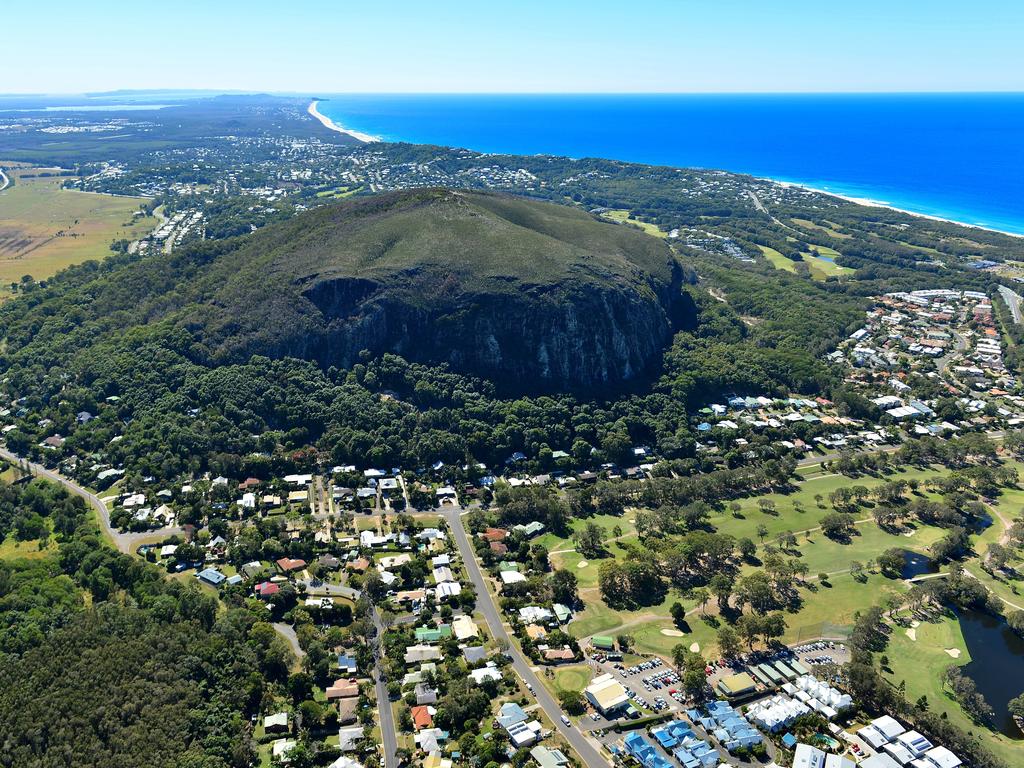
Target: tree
[
  {"x": 589, "y": 540},
  {"x": 678, "y": 613},
  {"x": 728, "y": 642},
  {"x": 762, "y": 531},
  {"x": 747, "y": 548},
  {"x": 836, "y": 525},
  {"x": 691, "y": 668},
  {"x": 890, "y": 562},
  {"x": 702, "y": 596},
  {"x": 564, "y": 587},
  {"x": 721, "y": 586},
  {"x": 1015, "y": 620},
  {"x": 1016, "y": 706},
  {"x": 572, "y": 702}
]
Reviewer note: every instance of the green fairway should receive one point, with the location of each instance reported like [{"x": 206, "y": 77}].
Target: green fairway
[
  {"x": 820, "y": 260},
  {"x": 623, "y": 217},
  {"x": 777, "y": 260},
  {"x": 829, "y": 230},
  {"x": 595, "y": 618},
  {"x": 920, "y": 662}
]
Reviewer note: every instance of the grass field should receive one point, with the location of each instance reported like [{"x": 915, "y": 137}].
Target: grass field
[
  {"x": 777, "y": 260},
  {"x": 921, "y": 662},
  {"x": 822, "y": 268},
  {"x": 572, "y": 678},
  {"x": 44, "y": 228},
  {"x": 29, "y": 550},
  {"x": 829, "y": 230},
  {"x": 623, "y": 217},
  {"x": 826, "y": 610}
]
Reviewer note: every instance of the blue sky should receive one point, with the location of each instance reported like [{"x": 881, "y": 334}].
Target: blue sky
[{"x": 66, "y": 46}]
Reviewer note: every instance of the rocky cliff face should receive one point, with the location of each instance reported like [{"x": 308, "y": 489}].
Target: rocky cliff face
[
  {"x": 533, "y": 296},
  {"x": 583, "y": 339}
]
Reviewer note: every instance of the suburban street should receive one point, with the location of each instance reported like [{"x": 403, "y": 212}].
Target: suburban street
[
  {"x": 389, "y": 737},
  {"x": 287, "y": 631},
  {"x": 584, "y": 748},
  {"x": 125, "y": 542}
]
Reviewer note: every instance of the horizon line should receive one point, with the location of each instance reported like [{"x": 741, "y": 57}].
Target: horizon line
[{"x": 304, "y": 93}]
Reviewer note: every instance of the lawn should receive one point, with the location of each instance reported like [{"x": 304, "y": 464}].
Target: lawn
[
  {"x": 829, "y": 230},
  {"x": 44, "y": 228},
  {"x": 822, "y": 268},
  {"x": 572, "y": 678},
  {"x": 921, "y": 662},
  {"x": 623, "y": 217},
  {"x": 10, "y": 549},
  {"x": 777, "y": 260}
]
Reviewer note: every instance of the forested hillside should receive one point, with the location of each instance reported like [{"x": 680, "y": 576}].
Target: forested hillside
[{"x": 105, "y": 662}]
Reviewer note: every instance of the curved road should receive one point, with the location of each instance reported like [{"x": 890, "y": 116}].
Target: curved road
[
  {"x": 125, "y": 542},
  {"x": 485, "y": 602}
]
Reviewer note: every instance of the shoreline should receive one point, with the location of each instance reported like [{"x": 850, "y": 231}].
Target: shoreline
[
  {"x": 863, "y": 201},
  {"x": 330, "y": 125},
  {"x": 869, "y": 203}
]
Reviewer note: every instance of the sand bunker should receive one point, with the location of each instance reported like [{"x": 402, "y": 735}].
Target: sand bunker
[
  {"x": 695, "y": 647},
  {"x": 954, "y": 652},
  {"x": 582, "y": 564},
  {"x": 671, "y": 633},
  {"x": 912, "y": 634}
]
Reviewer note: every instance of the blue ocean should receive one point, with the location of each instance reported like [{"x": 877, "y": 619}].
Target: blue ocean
[{"x": 958, "y": 156}]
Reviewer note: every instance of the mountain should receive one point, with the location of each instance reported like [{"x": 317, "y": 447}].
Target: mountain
[{"x": 533, "y": 295}]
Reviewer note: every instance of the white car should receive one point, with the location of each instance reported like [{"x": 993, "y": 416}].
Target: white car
[{"x": 566, "y": 720}]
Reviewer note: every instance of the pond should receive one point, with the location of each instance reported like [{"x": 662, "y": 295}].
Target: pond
[
  {"x": 916, "y": 564},
  {"x": 997, "y": 664}
]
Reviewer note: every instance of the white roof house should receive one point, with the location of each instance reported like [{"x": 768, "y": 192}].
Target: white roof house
[
  {"x": 881, "y": 731},
  {"x": 489, "y": 672},
  {"x": 915, "y": 743},
  {"x": 941, "y": 757}
]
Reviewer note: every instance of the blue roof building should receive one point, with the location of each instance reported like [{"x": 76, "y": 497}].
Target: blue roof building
[{"x": 644, "y": 752}]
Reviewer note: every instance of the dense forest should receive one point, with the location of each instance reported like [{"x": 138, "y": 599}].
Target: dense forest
[{"x": 104, "y": 661}]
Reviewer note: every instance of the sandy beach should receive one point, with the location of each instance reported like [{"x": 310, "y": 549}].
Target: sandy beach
[
  {"x": 882, "y": 204},
  {"x": 333, "y": 126}
]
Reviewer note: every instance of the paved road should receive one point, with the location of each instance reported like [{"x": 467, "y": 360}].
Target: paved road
[
  {"x": 331, "y": 590},
  {"x": 125, "y": 542},
  {"x": 584, "y": 748},
  {"x": 1013, "y": 301},
  {"x": 287, "y": 631},
  {"x": 943, "y": 362},
  {"x": 389, "y": 736}
]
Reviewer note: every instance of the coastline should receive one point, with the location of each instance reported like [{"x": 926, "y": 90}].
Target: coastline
[
  {"x": 869, "y": 203},
  {"x": 863, "y": 201},
  {"x": 333, "y": 126}
]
